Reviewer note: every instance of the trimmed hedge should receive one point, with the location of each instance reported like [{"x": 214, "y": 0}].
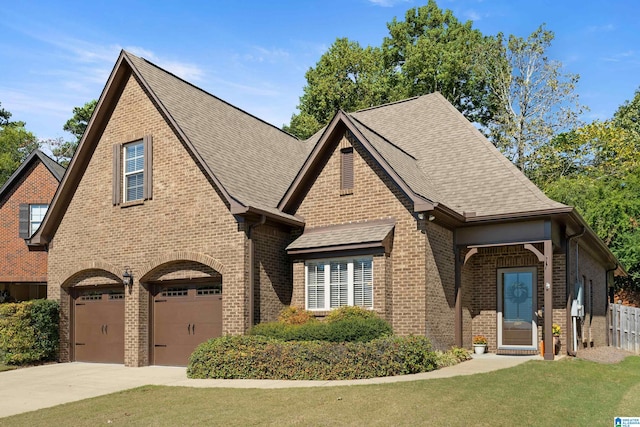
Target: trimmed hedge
[
  {"x": 347, "y": 329},
  {"x": 259, "y": 357},
  {"x": 29, "y": 331}
]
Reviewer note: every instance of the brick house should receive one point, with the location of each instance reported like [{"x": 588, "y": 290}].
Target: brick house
[
  {"x": 182, "y": 217},
  {"x": 24, "y": 199}
]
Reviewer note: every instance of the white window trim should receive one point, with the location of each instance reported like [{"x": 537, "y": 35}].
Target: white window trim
[
  {"x": 33, "y": 230},
  {"x": 126, "y": 174},
  {"x": 327, "y": 282}
]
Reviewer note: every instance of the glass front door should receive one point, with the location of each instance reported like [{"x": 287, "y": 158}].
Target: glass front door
[{"x": 517, "y": 307}]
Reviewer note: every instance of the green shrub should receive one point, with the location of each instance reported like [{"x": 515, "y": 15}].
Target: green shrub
[
  {"x": 29, "y": 331},
  {"x": 350, "y": 312},
  {"x": 349, "y": 329},
  {"x": 256, "y": 357},
  {"x": 295, "y": 316},
  {"x": 452, "y": 357}
]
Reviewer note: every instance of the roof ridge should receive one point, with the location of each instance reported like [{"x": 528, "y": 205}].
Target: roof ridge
[
  {"x": 375, "y": 107},
  {"x": 210, "y": 94}
]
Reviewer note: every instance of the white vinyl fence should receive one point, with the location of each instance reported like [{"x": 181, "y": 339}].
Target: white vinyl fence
[{"x": 624, "y": 327}]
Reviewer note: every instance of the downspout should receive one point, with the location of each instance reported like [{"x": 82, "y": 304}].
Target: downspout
[
  {"x": 607, "y": 300},
  {"x": 571, "y": 350},
  {"x": 263, "y": 219}
]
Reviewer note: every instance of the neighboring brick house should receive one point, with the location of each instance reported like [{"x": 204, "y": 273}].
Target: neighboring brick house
[
  {"x": 182, "y": 217},
  {"x": 24, "y": 199}
]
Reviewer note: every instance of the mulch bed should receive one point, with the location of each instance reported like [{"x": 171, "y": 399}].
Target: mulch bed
[{"x": 603, "y": 354}]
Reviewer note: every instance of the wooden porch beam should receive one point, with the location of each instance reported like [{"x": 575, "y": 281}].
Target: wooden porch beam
[{"x": 548, "y": 300}]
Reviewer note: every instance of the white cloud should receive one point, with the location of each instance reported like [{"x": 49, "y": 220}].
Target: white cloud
[
  {"x": 601, "y": 28},
  {"x": 388, "y": 3}
]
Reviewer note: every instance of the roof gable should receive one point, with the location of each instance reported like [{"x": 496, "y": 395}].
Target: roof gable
[
  {"x": 56, "y": 169},
  {"x": 249, "y": 161},
  {"x": 380, "y": 150}
]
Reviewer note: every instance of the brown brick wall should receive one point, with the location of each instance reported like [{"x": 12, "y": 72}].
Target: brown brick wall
[
  {"x": 36, "y": 186},
  {"x": 480, "y": 290},
  {"x": 593, "y": 331},
  {"x": 410, "y": 274},
  {"x": 272, "y": 289},
  {"x": 186, "y": 217}
]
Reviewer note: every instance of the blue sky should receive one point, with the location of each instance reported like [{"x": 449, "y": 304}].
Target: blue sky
[{"x": 253, "y": 54}]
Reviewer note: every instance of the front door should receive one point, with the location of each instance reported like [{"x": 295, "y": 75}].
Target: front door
[{"x": 517, "y": 291}]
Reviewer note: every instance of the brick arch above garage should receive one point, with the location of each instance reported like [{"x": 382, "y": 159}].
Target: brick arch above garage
[
  {"x": 87, "y": 273},
  {"x": 182, "y": 260}
]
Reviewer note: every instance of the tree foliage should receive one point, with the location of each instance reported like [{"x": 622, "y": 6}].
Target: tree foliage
[
  {"x": 597, "y": 169},
  {"x": 429, "y": 51},
  {"x": 62, "y": 150},
  {"x": 537, "y": 101},
  {"x": 16, "y": 143}
]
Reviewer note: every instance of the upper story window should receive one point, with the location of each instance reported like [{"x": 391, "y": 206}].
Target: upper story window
[
  {"x": 36, "y": 215},
  {"x": 133, "y": 171},
  {"x": 339, "y": 282},
  {"x": 30, "y": 218}
]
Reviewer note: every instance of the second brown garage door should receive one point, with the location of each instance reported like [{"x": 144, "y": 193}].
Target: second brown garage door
[{"x": 183, "y": 317}]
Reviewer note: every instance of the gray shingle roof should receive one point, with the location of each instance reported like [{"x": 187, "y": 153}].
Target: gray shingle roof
[
  {"x": 340, "y": 235},
  {"x": 425, "y": 140},
  {"x": 463, "y": 170},
  {"x": 254, "y": 161}
]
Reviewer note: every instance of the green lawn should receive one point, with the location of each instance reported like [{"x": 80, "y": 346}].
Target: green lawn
[{"x": 568, "y": 392}]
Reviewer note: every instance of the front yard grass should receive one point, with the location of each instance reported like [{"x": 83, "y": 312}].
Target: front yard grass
[{"x": 568, "y": 392}]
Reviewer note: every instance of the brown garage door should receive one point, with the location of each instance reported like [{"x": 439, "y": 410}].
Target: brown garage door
[
  {"x": 99, "y": 325},
  {"x": 183, "y": 317}
]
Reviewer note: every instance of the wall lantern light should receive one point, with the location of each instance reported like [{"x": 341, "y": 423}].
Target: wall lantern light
[{"x": 127, "y": 277}]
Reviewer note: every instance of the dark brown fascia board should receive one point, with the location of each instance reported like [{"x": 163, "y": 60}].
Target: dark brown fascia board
[
  {"x": 337, "y": 248},
  {"x": 80, "y": 160},
  {"x": 420, "y": 204},
  {"x": 233, "y": 203},
  {"x": 287, "y": 220},
  {"x": 515, "y": 216}
]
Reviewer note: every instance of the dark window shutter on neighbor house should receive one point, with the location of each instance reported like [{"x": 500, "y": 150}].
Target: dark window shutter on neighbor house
[
  {"x": 24, "y": 221},
  {"x": 347, "y": 168},
  {"x": 147, "y": 189},
  {"x": 117, "y": 174}
]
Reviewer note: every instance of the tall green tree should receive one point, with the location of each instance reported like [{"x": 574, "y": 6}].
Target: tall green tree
[
  {"x": 62, "y": 150},
  {"x": 347, "y": 77},
  {"x": 16, "y": 143},
  {"x": 430, "y": 51},
  {"x": 537, "y": 100}
]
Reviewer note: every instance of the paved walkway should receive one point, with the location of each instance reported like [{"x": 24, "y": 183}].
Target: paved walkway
[{"x": 29, "y": 389}]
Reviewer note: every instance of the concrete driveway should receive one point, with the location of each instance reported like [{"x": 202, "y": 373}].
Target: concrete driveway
[{"x": 29, "y": 389}]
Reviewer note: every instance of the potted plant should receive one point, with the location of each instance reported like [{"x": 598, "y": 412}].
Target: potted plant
[
  {"x": 479, "y": 344},
  {"x": 555, "y": 330}
]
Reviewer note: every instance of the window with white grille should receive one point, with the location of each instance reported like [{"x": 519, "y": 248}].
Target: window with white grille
[
  {"x": 339, "y": 282},
  {"x": 134, "y": 171}
]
